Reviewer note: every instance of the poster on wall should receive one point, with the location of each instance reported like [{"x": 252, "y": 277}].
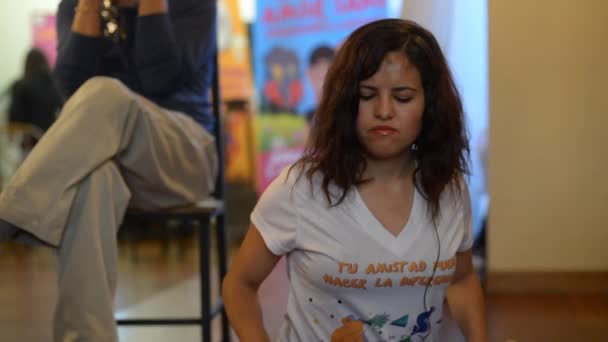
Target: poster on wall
[
  {"x": 294, "y": 41},
  {"x": 236, "y": 87},
  {"x": 44, "y": 35},
  {"x": 233, "y": 45}
]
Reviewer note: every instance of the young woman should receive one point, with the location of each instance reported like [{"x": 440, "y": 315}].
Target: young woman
[{"x": 375, "y": 217}]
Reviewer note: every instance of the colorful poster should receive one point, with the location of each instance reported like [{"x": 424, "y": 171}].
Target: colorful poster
[
  {"x": 240, "y": 148},
  {"x": 236, "y": 89},
  {"x": 233, "y": 44},
  {"x": 44, "y": 35},
  {"x": 294, "y": 41}
]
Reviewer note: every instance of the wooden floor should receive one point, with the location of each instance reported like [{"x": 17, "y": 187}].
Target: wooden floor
[{"x": 27, "y": 288}]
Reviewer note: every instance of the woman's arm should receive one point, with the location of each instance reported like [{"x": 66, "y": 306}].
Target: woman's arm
[
  {"x": 240, "y": 287},
  {"x": 87, "y": 20},
  {"x": 149, "y": 7},
  {"x": 465, "y": 298}
]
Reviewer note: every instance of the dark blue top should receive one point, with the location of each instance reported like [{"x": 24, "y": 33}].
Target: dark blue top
[{"x": 167, "y": 58}]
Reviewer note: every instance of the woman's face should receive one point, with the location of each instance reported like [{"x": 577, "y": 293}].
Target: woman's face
[{"x": 391, "y": 103}]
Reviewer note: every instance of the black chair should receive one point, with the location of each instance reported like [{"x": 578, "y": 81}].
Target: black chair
[{"x": 203, "y": 213}]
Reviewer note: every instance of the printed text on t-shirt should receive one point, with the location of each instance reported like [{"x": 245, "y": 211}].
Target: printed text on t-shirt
[{"x": 411, "y": 268}]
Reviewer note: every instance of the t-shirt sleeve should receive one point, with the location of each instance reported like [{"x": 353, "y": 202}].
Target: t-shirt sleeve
[
  {"x": 276, "y": 216},
  {"x": 464, "y": 207}
]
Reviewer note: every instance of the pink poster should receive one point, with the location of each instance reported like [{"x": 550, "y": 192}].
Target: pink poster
[{"x": 44, "y": 35}]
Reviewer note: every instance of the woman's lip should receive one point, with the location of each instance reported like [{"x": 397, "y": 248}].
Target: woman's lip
[{"x": 383, "y": 130}]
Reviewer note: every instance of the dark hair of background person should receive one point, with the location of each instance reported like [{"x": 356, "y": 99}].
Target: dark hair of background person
[
  {"x": 35, "y": 64},
  {"x": 35, "y": 97},
  {"x": 321, "y": 52},
  {"x": 442, "y": 145}
]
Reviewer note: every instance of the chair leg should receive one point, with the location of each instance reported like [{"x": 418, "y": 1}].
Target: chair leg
[
  {"x": 222, "y": 248},
  {"x": 204, "y": 273}
]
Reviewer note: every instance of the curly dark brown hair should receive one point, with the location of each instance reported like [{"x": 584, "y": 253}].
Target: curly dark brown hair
[{"x": 442, "y": 145}]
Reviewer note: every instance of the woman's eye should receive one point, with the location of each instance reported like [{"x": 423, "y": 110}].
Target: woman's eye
[
  {"x": 366, "y": 97},
  {"x": 403, "y": 99}
]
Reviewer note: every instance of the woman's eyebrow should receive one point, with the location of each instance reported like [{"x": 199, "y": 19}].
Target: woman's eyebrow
[
  {"x": 397, "y": 89},
  {"x": 403, "y": 88}
]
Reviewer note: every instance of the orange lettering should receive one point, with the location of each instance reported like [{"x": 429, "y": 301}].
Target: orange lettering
[
  {"x": 337, "y": 282},
  {"x": 386, "y": 283},
  {"x": 407, "y": 281},
  {"x": 421, "y": 266}
]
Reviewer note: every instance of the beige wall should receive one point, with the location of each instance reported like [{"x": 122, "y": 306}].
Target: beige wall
[{"x": 548, "y": 135}]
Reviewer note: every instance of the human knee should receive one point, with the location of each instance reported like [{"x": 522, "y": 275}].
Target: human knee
[
  {"x": 102, "y": 85},
  {"x": 100, "y": 94},
  {"x": 106, "y": 88}
]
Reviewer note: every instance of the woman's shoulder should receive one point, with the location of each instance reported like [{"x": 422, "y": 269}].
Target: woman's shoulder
[
  {"x": 295, "y": 176},
  {"x": 302, "y": 180}
]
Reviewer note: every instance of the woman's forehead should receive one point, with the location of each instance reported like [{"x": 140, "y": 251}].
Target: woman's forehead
[{"x": 395, "y": 66}]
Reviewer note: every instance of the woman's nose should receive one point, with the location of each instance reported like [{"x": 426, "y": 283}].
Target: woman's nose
[{"x": 384, "y": 108}]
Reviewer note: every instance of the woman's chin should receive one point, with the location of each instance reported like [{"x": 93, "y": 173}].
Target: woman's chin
[{"x": 386, "y": 155}]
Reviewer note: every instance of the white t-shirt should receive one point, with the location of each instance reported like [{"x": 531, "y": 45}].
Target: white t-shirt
[{"x": 350, "y": 279}]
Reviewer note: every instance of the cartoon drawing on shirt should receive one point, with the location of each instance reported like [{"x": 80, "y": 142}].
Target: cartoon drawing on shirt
[
  {"x": 401, "y": 322},
  {"x": 352, "y": 329},
  {"x": 378, "y": 321},
  {"x": 423, "y": 324}
]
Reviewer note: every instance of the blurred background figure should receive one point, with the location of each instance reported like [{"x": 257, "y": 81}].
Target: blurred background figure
[
  {"x": 35, "y": 97},
  {"x": 34, "y": 100},
  {"x": 318, "y": 63}
]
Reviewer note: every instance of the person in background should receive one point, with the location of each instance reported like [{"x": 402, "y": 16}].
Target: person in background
[
  {"x": 35, "y": 98},
  {"x": 318, "y": 64},
  {"x": 135, "y": 131},
  {"x": 375, "y": 218}
]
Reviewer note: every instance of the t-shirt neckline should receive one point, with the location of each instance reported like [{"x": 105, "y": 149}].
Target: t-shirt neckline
[{"x": 371, "y": 226}]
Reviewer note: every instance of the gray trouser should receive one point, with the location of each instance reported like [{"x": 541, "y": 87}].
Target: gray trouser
[{"x": 109, "y": 148}]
